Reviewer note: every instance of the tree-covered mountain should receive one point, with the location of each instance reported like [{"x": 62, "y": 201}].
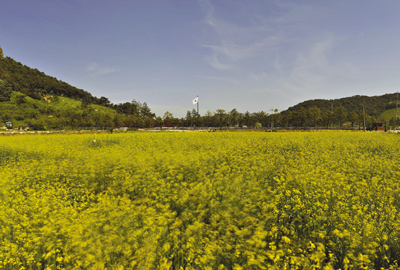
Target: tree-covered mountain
[
  {"x": 349, "y": 111},
  {"x": 29, "y": 97},
  {"x": 17, "y": 77},
  {"x": 373, "y": 105}
]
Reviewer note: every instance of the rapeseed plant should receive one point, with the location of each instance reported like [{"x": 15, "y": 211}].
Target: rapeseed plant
[{"x": 200, "y": 201}]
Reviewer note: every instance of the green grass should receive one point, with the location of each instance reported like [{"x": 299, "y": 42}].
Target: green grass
[
  {"x": 64, "y": 103},
  {"x": 46, "y": 111},
  {"x": 103, "y": 109}
]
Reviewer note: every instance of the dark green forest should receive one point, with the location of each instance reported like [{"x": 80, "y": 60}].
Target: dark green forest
[
  {"x": 30, "y": 98},
  {"x": 375, "y": 104},
  {"x": 35, "y": 84}
]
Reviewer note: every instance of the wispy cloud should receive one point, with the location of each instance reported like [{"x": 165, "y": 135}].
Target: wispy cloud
[
  {"x": 318, "y": 66},
  {"x": 234, "y": 43},
  {"x": 313, "y": 67},
  {"x": 291, "y": 53},
  {"x": 214, "y": 78},
  {"x": 101, "y": 70},
  {"x": 237, "y": 52},
  {"x": 215, "y": 63},
  {"x": 294, "y": 12},
  {"x": 308, "y": 72}
]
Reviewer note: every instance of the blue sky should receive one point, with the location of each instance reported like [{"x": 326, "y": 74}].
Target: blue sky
[{"x": 249, "y": 55}]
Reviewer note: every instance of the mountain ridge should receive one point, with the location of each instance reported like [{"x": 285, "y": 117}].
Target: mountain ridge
[
  {"x": 373, "y": 105},
  {"x": 29, "y": 96}
]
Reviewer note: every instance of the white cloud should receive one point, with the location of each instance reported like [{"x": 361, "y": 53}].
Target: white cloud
[
  {"x": 292, "y": 53},
  {"x": 214, "y": 78},
  {"x": 101, "y": 70},
  {"x": 237, "y": 52},
  {"x": 296, "y": 13},
  {"x": 319, "y": 67},
  {"x": 215, "y": 63},
  {"x": 231, "y": 43}
]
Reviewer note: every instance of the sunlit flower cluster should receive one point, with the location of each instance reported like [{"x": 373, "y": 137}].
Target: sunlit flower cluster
[{"x": 200, "y": 201}]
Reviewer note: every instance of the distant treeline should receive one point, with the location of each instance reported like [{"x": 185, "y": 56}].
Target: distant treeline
[
  {"x": 26, "y": 111},
  {"x": 142, "y": 117},
  {"x": 23, "y": 92},
  {"x": 311, "y": 117}
]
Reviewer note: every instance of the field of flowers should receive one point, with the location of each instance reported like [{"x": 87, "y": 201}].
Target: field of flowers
[{"x": 200, "y": 201}]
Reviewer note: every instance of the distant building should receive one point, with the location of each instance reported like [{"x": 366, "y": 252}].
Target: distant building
[{"x": 379, "y": 126}]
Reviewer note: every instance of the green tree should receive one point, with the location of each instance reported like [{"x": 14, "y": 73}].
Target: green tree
[
  {"x": 129, "y": 121},
  {"x": 135, "y": 106},
  {"x": 159, "y": 122},
  {"x": 393, "y": 123},
  {"x": 20, "y": 99},
  {"x": 369, "y": 120},
  {"x": 5, "y": 91},
  {"x": 340, "y": 115},
  {"x": 118, "y": 120},
  {"x": 97, "y": 119},
  {"x": 327, "y": 118},
  {"x": 207, "y": 118},
  {"x": 360, "y": 120},
  {"x": 104, "y": 102},
  {"x": 233, "y": 117},
  {"x": 149, "y": 122},
  {"x": 107, "y": 121},
  {"x": 314, "y": 114},
  {"x": 248, "y": 119},
  {"x": 188, "y": 119},
  {"x": 145, "y": 111},
  {"x": 287, "y": 118},
  {"x": 168, "y": 118},
  {"x": 196, "y": 120},
  {"x": 139, "y": 122},
  {"x": 221, "y": 117},
  {"x": 88, "y": 122},
  {"x": 130, "y": 108},
  {"x": 85, "y": 103},
  {"x": 300, "y": 116},
  {"x": 262, "y": 118},
  {"x": 352, "y": 118},
  {"x": 274, "y": 117}
]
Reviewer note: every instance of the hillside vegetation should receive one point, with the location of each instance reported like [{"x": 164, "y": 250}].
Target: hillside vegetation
[
  {"x": 29, "y": 97},
  {"x": 17, "y": 77},
  {"x": 348, "y": 111},
  {"x": 374, "y": 105}
]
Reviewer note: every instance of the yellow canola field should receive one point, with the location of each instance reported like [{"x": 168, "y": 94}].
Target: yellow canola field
[{"x": 200, "y": 201}]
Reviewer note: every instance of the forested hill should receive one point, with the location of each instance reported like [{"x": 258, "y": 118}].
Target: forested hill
[
  {"x": 17, "y": 77},
  {"x": 29, "y": 97},
  {"x": 374, "y": 105}
]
